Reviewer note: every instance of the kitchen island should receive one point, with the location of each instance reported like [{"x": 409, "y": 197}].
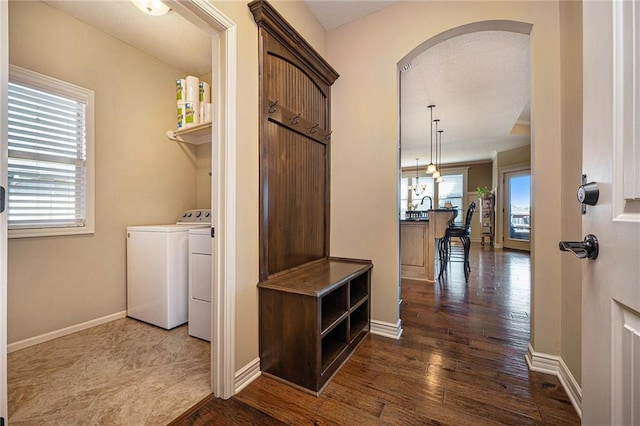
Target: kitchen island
[{"x": 418, "y": 243}]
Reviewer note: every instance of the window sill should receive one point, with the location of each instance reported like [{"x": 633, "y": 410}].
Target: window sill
[{"x": 50, "y": 232}]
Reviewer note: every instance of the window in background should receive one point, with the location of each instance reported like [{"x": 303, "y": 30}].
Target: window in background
[
  {"x": 50, "y": 167},
  {"x": 452, "y": 191},
  {"x": 404, "y": 196},
  {"x": 409, "y": 198}
]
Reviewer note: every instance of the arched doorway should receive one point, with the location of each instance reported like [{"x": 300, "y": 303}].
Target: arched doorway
[{"x": 477, "y": 76}]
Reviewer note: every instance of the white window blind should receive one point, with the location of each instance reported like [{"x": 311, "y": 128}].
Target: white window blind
[{"x": 47, "y": 173}]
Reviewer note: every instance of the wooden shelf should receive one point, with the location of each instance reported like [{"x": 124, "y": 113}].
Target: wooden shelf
[
  {"x": 488, "y": 219},
  {"x": 359, "y": 320},
  {"x": 358, "y": 290},
  {"x": 195, "y": 135},
  {"x": 331, "y": 319},
  {"x": 334, "y": 306},
  {"x": 333, "y": 344},
  {"x": 359, "y": 302}
]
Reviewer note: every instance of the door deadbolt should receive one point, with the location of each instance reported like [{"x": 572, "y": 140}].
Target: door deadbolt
[{"x": 588, "y": 194}]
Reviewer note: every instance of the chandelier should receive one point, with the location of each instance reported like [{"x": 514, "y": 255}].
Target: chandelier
[{"x": 417, "y": 188}]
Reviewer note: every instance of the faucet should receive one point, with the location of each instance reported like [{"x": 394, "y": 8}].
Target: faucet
[{"x": 430, "y": 201}]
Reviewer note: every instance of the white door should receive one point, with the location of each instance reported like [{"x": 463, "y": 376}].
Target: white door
[
  {"x": 611, "y": 157},
  {"x": 4, "y": 78}
]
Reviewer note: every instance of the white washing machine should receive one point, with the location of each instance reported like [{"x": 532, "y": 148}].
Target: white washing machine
[{"x": 158, "y": 269}]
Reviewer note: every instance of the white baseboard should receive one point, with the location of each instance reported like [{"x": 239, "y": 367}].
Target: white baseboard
[
  {"x": 12, "y": 347},
  {"x": 555, "y": 365},
  {"x": 386, "y": 329},
  {"x": 247, "y": 374}
]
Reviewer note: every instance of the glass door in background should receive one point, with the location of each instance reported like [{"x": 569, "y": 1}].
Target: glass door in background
[{"x": 517, "y": 210}]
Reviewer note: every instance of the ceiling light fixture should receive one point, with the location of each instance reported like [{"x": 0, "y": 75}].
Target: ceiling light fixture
[
  {"x": 436, "y": 172},
  {"x": 431, "y": 167},
  {"x": 152, "y": 7},
  {"x": 441, "y": 177},
  {"x": 416, "y": 187}
]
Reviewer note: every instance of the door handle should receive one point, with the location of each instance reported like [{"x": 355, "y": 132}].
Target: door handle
[{"x": 586, "y": 249}]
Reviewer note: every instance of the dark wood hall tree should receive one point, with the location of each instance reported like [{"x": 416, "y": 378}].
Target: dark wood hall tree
[{"x": 314, "y": 309}]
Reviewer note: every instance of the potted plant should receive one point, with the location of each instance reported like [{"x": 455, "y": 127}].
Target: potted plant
[{"x": 483, "y": 192}]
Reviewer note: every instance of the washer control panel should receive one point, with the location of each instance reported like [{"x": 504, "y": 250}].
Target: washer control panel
[{"x": 195, "y": 216}]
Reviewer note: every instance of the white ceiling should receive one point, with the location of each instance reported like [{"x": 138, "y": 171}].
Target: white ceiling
[
  {"x": 170, "y": 38},
  {"x": 479, "y": 82},
  {"x": 333, "y": 13}
]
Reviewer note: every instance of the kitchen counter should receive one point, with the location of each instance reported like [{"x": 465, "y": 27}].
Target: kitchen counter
[{"x": 418, "y": 238}]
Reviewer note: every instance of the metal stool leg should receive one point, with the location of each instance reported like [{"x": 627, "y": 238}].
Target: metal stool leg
[
  {"x": 466, "y": 242},
  {"x": 443, "y": 245}
]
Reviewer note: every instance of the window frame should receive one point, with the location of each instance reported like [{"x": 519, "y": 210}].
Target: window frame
[{"x": 52, "y": 85}]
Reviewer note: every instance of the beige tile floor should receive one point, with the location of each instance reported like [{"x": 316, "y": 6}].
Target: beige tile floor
[{"x": 125, "y": 372}]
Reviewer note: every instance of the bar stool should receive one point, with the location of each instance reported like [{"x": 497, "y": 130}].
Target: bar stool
[{"x": 446, "y": 252}]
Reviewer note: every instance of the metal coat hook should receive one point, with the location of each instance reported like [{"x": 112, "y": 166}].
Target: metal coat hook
[
  {"x": 328, "y": 136},
  {"x": 272, "y": 107},
  {"x": 295, "y": 120},
  {"x": 314, "y": 128}
]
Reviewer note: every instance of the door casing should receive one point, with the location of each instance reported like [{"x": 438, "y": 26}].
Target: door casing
[{"x": 4, "y": 79}]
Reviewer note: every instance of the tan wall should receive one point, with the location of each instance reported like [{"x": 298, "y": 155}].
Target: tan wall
[
  {"x": 479, "y": 175},
  {"x": 246, "y": 336},
  {"x": 141, "y": 177},
  {"x": 571, "y": 49},
  {"x": 203, "y": 166},
  {"x": 203, "y": 179},
  {"x": 365, "y": 124},
  {"x": 514, "y": 156}
]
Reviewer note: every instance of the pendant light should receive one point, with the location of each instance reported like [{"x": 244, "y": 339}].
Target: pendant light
[
  {"x": 436, "y": 172},
  {"x": 440, "y": 178},
  {"x": 431, "y": 167}
]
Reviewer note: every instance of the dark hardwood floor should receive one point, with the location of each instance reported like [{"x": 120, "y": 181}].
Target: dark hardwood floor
[{"x": 460, "y": 361}]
